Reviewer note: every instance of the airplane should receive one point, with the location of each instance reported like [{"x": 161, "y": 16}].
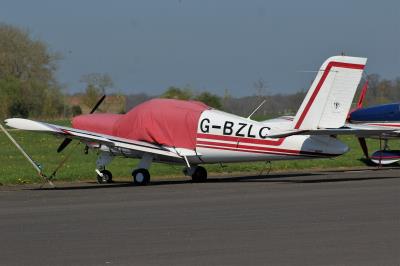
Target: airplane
[
  {"x": 385, "y": 115},
  {"x": 193, "y": 134}
]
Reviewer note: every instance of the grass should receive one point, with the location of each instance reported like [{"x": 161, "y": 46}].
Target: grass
[{"x": 42, "y": 148}]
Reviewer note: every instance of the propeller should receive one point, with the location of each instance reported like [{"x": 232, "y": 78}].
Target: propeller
[
  {"x": 64, "y": 144},
  {"x": 67, "y": 141},
  {"x": 98, "y": 104}
]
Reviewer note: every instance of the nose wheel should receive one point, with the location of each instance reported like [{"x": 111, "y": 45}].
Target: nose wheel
[
  {"x": 105, "y": 177},
  {"x": 141, "y": 177}
]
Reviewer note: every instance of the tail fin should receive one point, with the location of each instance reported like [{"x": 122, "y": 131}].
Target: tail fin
[
  {"x": 362, "y": 95},
  {"x": 329, "y": 98}
]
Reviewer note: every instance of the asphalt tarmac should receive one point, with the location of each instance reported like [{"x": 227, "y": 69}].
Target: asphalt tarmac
[{"x": 321, "y": 218}]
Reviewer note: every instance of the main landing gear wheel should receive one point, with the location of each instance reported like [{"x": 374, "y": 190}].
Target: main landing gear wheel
[
  {"x": 141, "y": 177},
  {"x": 199, "y": 174},
  {"x": 106, "y": 178}
]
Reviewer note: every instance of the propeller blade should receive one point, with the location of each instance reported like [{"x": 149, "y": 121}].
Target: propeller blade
[
  {"x": 98, "y": 104},
  {"x": 364, "y": 146},
  {"x": 67, "y": 141},
  {"x": 64, "y": 144}
]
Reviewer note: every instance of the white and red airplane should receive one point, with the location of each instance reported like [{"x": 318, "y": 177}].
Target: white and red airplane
[{"x": 191, "y": 133}]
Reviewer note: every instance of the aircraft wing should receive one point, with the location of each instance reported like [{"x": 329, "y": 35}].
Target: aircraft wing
[
  {"x": 359, "y": 130},
  {"x": 90, "y": 137}
]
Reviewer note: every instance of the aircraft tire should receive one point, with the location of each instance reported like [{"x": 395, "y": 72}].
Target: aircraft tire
[
  {"x": 107, "y": 177},
  {"x": 141, "y": 177},
  {"x": 199, "y": 174}
]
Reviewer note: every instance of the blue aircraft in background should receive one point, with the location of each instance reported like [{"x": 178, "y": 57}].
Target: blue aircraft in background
[{"x": 385, "y": 115}]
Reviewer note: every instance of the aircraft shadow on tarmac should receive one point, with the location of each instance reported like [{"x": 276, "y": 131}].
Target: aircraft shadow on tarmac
[{"x": 294, "y": 178}]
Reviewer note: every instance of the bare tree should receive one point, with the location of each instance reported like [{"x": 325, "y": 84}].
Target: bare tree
[
  {"x": 100, "y": 81},
  {"x": 96, "y": 85},
  {"x": 261, "y": 87}
]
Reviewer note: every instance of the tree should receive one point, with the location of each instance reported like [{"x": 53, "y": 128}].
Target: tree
[
  {"x": 28, "y": 86},
  {"x": 10, "y": 90},
  {"x": 177, "y": 93},
  {"x": 91, "y": 96},
  {"x": 209, "y": 99},
  {"x": 99, "y": 81},
  {"x": 76, "y": 110},
  {"x": 260, "y": 87},
  {"x": 186, "y": 94}
]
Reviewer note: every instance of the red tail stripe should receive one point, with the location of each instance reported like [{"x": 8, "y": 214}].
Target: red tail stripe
[
  {"x": 320, "y": 83},
  {"x": 362, "y": 95}
]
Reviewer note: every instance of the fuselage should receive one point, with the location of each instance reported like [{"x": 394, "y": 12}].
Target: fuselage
[
  {"x": 384, "y": 115},
  {"x": 379, "y": 113},
  {"x": 224, "y": 137}
]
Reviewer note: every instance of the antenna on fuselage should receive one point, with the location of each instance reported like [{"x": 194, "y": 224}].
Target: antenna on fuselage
[{"x": 255, "y": 110}]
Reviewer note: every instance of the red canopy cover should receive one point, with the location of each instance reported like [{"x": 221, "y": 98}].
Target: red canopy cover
[
  {"x": 99, "y": 123},
  {"x": 163, "y": 121}
]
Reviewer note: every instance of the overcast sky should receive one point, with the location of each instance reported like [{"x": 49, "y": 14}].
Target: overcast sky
[{"x": 212, "y": 45}]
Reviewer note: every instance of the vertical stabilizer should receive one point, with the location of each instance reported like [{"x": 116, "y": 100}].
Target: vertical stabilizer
[{"x": 329, "y": 98}]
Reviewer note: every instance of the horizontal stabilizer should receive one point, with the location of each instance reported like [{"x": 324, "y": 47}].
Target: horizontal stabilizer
[{"x": 356, "y": 130}]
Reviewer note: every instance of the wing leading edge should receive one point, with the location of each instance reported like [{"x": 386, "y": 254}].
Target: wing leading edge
[{"x": 88, "y": 136}]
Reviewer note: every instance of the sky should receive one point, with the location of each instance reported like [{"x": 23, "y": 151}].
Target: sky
[{"x": 214, "y": 45}]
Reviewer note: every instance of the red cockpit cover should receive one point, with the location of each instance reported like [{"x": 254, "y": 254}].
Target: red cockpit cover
[
  {"x": 164, "y": 121},
  {"x": 100, "y": 123}
]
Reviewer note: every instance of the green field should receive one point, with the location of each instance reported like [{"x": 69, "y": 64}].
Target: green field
[{"x": 16, "y": 170}]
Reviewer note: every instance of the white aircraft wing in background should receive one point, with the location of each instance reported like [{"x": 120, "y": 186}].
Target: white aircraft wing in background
[{"x": 349, "y": 129}]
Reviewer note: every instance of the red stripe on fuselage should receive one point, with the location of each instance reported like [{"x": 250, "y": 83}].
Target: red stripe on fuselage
[
  {"x": 292, "y": 153},
  {"x": 384, "y": 125},
  {"x": 320, "y": 83},
  {"x": 238, "y": 145},
  {"x": 377, "y": 157},
  {"x": 242, "y": 150},
  {"x": 259, "y": 149},
  {"x": 271, "y": 142}
]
